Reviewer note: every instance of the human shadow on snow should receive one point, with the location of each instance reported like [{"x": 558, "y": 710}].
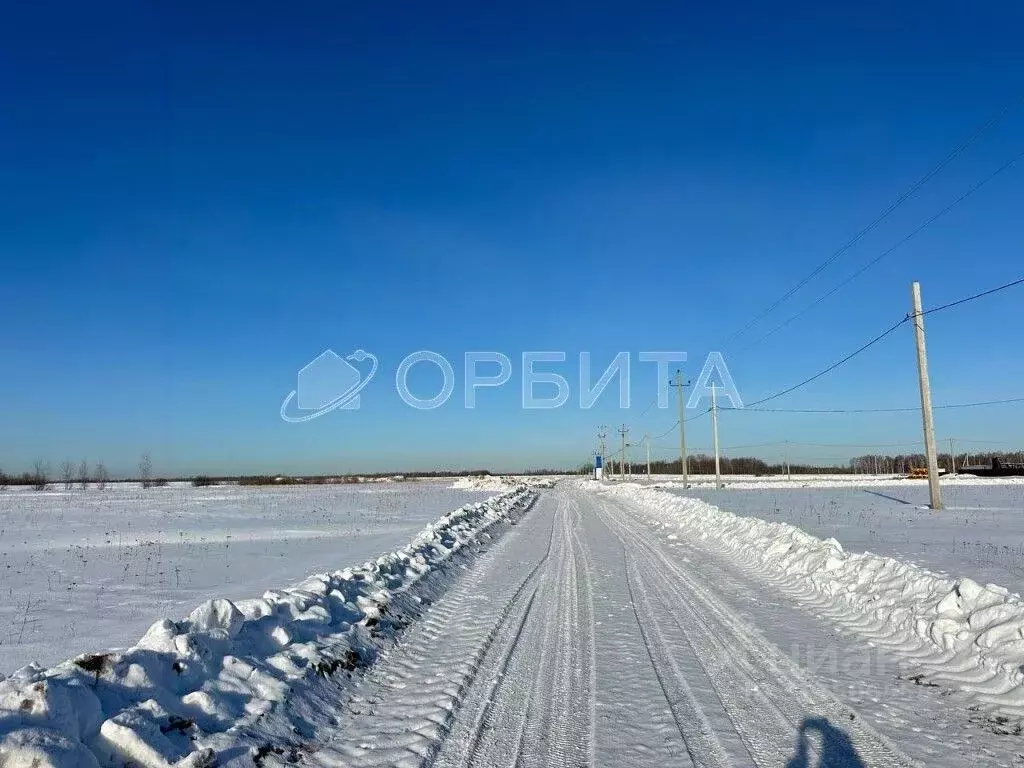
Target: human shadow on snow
[{"x": 836, "y": 749}]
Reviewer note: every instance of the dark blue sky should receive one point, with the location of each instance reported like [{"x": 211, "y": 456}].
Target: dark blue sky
[{"x": 197, "y": 199}]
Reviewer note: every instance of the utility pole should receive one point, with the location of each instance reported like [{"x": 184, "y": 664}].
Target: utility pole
[
  {"x": 952, "y": 456},
  {"x": 785, "y": 460},
  {"x": 647, "y": 440},
  {"x": 678, "y": 384},
  {"x": 926, "y": 398},
  {"x": 622, "y": 462},
  {"x": 714, "y": 424}
]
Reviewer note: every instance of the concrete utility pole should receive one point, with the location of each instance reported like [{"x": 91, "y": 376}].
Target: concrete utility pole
[
  {"x": 678, "y": 384},
  {"x": 714, "y": 425},
  {"x": 647, "y": 441},
  {"x": 952, "y": 457},
  {"x": 622, "y": 462},
  {"x": 926, "y": 398}
]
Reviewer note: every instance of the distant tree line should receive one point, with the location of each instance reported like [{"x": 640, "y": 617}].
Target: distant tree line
[
  {"x": 70, "y": 475},
  {"x": 703, "y": 464},
  {"x": 903, "y": 463}
]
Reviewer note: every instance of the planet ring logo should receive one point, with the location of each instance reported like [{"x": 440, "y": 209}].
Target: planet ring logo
[{"x": 328, "y": 383}]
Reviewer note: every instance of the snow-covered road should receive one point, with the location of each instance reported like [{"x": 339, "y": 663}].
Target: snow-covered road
[
  {"x": 580, "y": 625},
  {"x": 582, "y": 639}
]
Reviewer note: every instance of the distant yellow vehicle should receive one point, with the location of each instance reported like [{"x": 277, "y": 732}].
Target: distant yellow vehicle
[{"x": 919, "y": 472}]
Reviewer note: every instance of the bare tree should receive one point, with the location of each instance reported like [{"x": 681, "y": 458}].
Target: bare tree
[
  {"x": 3, "y": 480},
  {"x": 67, "y": 474},
  {"x": 40, "y": 472},
  {"x": 146, "y": 470},
  {"x": 101, "y": 476},
  {"x": 83, "y": 475}
]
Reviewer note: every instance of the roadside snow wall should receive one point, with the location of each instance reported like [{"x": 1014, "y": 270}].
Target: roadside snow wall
[
  {"x": 958, "y": 632},
  {"x": 228, "y": 664}
]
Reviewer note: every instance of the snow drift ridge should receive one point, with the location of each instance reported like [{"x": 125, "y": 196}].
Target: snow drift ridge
[
  {"x": 227, "y": 664},
  {"x": 957, "y": 632}
]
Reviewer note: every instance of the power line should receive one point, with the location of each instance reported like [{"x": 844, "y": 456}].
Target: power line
[
  {"x": 927, "y": 223},
  {"x": 687, "y": 420},
  {"x": 799, "y": 443},
  {"x": 884, "y": 334},
  {"x": 864, "y": 347},
  {"x": 649, "y": 405},
  {"x": 698, "y": 416},
  {"x": 974, "y": 297},
  {"x": 877, "y": 410},
  {"x": 670, "y": 429},
  {"x": 834, "y": 365},
  {"x": 826, "y": 410},
  {"x": 881, "y": 217}
]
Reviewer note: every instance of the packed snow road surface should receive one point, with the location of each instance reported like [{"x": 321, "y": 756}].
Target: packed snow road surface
[
  {"x": 581, "y": 640},
  {"x": 581, "y": 625}
]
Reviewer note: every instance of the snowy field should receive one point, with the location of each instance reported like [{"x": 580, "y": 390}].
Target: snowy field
[
  {"x": 87, "y": 570},
  {"x": 753, "y": 482},
  {"x": 980, "y": 533},
  {"x": 595, "y": 624}
]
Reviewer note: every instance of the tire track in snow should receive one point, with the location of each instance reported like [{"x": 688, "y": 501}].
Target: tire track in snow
[
  {"x": 496, "y": 734},
  {"x": 746, "y": 711},
  {"x": 698, "y": 737},
  {"x": 789, "y": 690},
  {"x": 538, "y": 710},
  {"x": 560, "y": 719},
  {"x": 437, "y": 663}
]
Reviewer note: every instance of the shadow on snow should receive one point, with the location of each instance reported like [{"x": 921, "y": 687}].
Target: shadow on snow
[
  {"x": 890, "y": 498},
  {"x": 836, "y": 749}
]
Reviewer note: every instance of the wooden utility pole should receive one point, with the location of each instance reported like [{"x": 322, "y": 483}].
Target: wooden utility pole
[{"x": 926, "y": 398}]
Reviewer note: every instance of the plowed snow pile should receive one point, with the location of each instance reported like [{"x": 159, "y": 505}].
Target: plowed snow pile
[
  {"x": 220, "y": 670},
  {"x": 501, "y": 483},
  {"x": 957, "y": 631}
]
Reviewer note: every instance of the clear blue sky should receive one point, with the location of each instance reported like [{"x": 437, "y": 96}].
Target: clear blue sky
[{"x": 198, "y": 198}]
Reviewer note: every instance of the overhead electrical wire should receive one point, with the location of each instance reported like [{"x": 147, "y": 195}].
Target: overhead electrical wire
[
  {"x": 881, "y": 217},
  {"x": 881, "y": 336},
  {"x": 914, "y": 233},
  {"x": 975, "y": 297},
  {"x": 687, "y": 420},
  {"x": 834, "y": 365},
  {"x": 753, "y": 407},
  {"x": 811, "y": 445},
  {"x": 876, "y": 410}
]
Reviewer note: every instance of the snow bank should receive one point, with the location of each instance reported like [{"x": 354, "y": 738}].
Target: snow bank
[
  {"x": 498, "y": 484},
  {"x": 959, "y": 632},
  {"x": 227, "y": 664}
]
